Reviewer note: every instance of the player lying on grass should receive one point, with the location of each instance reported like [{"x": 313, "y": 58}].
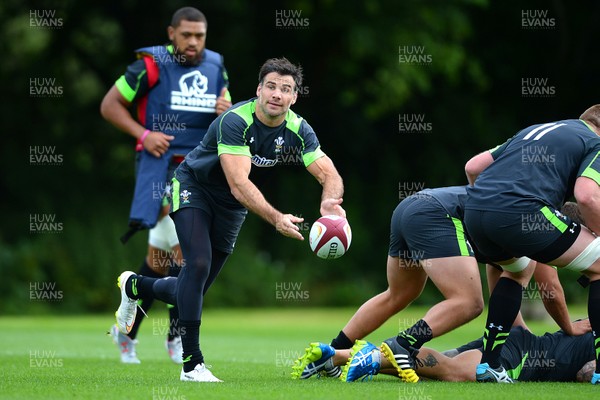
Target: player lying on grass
[
  {"x": 428, "y": 242},
  {"x": 553, "y": 357}
]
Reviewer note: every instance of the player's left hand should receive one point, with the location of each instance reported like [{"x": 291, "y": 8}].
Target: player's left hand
[
  {"x": 223, "y": 102},
  {"x": 332, "y": 207},
  {"x": 287, "y": 226}
]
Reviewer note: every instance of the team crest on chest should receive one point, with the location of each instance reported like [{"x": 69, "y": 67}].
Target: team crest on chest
[{"x": 278, "y": 144}]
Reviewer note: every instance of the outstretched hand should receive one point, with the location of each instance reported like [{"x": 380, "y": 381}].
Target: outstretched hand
[
  {"x": 332, "y": 207},
  {"x": 286, "y": 225}
]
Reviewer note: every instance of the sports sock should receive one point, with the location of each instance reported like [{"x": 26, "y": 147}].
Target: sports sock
[
  {"x": 138, "y": 286},
  {"x": 415, "y": 336},
  {"x": 341, "y": 342},
  {"x": 144, "y": 302},
  {"x": 173, "y": 310},
  {"x": 503, "y": 308},
  {"x": 594, "y": 315},
  {"x": 190, "y": 341},
  {"x": 173, "y": 322}
]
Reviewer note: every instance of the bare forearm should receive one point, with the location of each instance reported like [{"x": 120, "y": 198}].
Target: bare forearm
[
  {"x": 250, "y": 197},
  {"x": 556, "y": 305},
  {"x": 586, "y": 372},
  {"x": 476, "y": 165},
  {"x": 333, "y": 187},
  {"x": 553, "y": 296},
  {"x": 326, "y": 174}
]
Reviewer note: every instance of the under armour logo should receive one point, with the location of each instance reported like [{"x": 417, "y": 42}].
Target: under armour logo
[
  {"x": 252, "y": 139},
  {"x": 572, "y": 230},
  {"x": 492, "y": 326}
]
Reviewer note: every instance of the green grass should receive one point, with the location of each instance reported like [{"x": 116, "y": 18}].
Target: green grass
[{"x": 48, "y": 357}]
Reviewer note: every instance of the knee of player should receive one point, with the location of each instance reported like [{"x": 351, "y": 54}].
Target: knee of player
[
  {"x": 199, "y": 266},
  {"x": 476, "y": 306},
  {"x": 471, "y": 305},
  {"x": 397, "y": 300}
]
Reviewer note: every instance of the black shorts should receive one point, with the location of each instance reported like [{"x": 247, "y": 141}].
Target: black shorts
[
  {"x": 421, "y": 229},
  {"x": 542, "y": 235},
  {"x": 226, "y": 222}
]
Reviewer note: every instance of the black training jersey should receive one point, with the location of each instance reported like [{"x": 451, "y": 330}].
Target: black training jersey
[
  {"x": 451, "y": 198},
  {"x": 537, "y": 166},
  {"x": 552, "y": 357},
  {"x": 238, "y": 131}
]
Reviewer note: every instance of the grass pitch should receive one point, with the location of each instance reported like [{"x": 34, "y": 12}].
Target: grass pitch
[{"x": 57, "y": 357}]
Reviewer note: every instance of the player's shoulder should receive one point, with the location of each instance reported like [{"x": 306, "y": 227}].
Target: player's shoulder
[
  {"x": 212, "y": 57},
  {"x": 238, "y": 116},
  {"x": 293, "y": 121},
  {"x": 574, "y": 128},
  {"x": 297, "y": 124},
  {"x": 242, "y": 109},
  {"x": 152, "y": 51},
  {"x": 577, "y": 128}
]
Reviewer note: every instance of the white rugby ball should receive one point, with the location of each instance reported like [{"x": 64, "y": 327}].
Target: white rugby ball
[{"x": 330, "y": 237}]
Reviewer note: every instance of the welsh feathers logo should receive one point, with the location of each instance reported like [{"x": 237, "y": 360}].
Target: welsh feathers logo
[
  {"x": 185, "y": 196},
  {"x": 278, "y": 144}
]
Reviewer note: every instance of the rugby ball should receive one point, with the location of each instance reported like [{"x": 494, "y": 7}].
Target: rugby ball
[{"x": 330, "y": 237}]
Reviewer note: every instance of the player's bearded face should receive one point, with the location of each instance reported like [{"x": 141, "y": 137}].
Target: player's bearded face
[
  {"x": 188, "y": 39},
  {"x": 276, "y": 94}
]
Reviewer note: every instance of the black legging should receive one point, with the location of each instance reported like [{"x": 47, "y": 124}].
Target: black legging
[{"x": 202, "y": 262}]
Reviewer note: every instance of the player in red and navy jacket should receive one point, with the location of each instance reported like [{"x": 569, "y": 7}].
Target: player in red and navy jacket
[{"x": 178, "y": 89}]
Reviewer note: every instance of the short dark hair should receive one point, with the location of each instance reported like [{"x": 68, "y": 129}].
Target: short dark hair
[
  {"x": 188, "y": 14},
  {"x": 571, "y": 210},
  {"x": 592, "y": 116},
  {"x": 283, "y": 67}
]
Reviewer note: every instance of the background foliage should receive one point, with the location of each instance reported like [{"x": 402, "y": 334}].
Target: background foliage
[{"x": 356, "y": 91}]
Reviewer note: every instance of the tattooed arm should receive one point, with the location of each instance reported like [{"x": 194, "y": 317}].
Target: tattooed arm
[
  {"x": 434, "y": 365},
  {"x": 586, "y": 372}
]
